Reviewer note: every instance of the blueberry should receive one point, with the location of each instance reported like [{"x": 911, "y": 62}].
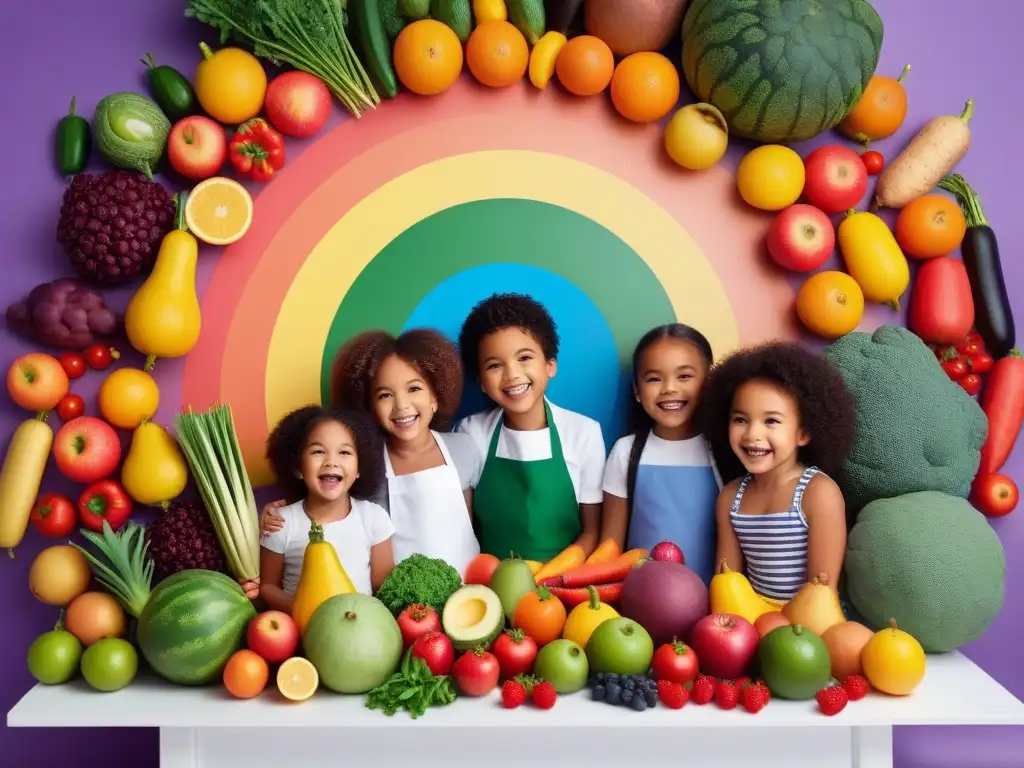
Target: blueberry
[
  {"x": 597, "y": 692},
  {"x": 651, "y": 697},
  {"x": 610, "y": 677},
  {"x": 639, "y": 704},
  {"x": 612, "y": 693},
  {"x": 628, "y": 696},
  {"x": 630, "y": 684}
]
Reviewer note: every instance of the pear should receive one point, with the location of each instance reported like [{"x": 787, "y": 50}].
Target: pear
[
  {"x": 154, "y": 471},
  {"x": 815, "y": 606}
]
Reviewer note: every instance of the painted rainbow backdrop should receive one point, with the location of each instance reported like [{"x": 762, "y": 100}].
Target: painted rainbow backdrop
[{"x": 410, "y": 215}]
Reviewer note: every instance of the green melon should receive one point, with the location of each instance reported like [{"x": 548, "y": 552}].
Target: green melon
[
  {"x": 780, "y": 70},
  {"x": 192, "y": 623}
]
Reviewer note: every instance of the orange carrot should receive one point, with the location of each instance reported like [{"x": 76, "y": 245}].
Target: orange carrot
[
  {"x": 597, "y": 573},
  {"x": 608, "y": 550},
  {"x": 570, "y": 557}
]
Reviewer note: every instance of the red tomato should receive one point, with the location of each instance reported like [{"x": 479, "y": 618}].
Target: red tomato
[
  {"x": 515, "y": 651},
  {"x": 436, "y": 649},
  {"x": 976, "y": 339},
  {"x": 105, "y": 501},
  {"x": 971, "y": 383},
  {"x": 955, "y": 367},
  {"x": 73, "y": 364},
  {"x": 476, "y": 672},
  {"x": 480, "y": 569},
  {"x": 994, "y": 495},
  {"x": 945, "y": 351},
  {"x": 981, "y": 362},
  {"x": 873, "y": 162},
  {"x": 415, "y": 621},
  {"x": 54, "y": 515},
  {"x": 941, "y": 304},
  {"x": 675, "y": 661},
  {"x": 100, "y": 356},
  {"x": 70, "y": 407},
  {"x": 969, "y": 347}
]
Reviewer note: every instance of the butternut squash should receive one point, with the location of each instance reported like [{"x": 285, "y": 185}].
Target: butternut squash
[
  {"x": 20, "y": 478},
  {"x": 873, "y": 257},
  {"x": 730, "y": 592},
  {"x": 163, "y": 318},
  {"x": 322, "y": 577}
]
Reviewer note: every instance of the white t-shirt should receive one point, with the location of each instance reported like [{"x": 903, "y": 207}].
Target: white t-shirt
[
  {"x": 582, "y": 446},
  {"x": 465, "y": 458},
  {"x": 366, "y": 526},
  {"x": 693, "y": 452}
]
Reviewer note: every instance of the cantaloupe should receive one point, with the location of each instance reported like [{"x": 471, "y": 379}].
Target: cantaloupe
[{"x": 629, "y": 26}]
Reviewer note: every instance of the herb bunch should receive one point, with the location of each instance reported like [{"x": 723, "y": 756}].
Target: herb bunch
[{"x": 413, "y": 688}]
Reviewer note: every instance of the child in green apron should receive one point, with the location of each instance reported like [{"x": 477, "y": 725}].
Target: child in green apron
[{"x": 539, "y": 488}]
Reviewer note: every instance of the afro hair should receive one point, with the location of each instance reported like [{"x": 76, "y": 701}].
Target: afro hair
[
  {"x": 288, "y": 440},
  {"x": 429, "y": 352},
  {"x": 827, "y": 408},
  {"x": 506, "y": 310}
]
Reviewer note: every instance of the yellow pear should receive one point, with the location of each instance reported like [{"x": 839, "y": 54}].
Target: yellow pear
[
  {"x": 731, "y": 592},
  {"x": 815, "y": 606},
  {"x": 154, "y": 470}
]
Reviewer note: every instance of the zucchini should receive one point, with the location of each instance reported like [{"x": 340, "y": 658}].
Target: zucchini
[
  {"x": 170, "y": 90},
  {"x": 74, "y": 140},
  {"x": 20, "y": 478},
  {"x": 375, "y": 45}
]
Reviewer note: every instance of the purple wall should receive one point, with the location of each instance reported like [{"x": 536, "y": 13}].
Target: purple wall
[{"x": 98, "y": 53}]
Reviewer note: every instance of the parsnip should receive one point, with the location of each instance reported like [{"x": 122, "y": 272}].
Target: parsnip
[
  {"x": 931, "y": 154},
  {"x": 20, "y": 478}
]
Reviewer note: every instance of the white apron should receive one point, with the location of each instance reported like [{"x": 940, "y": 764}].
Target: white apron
[{"x": 428, "y": 510}]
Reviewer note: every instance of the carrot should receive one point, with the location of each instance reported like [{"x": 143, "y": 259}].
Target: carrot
[
  {"x": 931, "y": 154},
  {"x": 570, "y": 557},
  {"x": 608, "y": 550},
  {"x": 598, "y": 573},
  {"x": 1003, "y": 403},
  {"x": 606, "y": 593}
]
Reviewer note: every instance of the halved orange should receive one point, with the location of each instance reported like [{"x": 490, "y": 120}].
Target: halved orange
[
  {"x": 297, "y": 679},
  {"x": 218, "y": 211}
]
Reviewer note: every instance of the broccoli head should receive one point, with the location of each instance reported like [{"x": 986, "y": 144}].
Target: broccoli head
[
  {"x": 917, "y": 430},
  {"x": 419, "y": 579}
]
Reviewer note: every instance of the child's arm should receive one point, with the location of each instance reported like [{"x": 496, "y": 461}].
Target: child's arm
[
  {"x": 591, "y": 455},
  {"x": 382, "y": 562},
  {"x": 468, "y": 494},
  {"x": 271, "y": 578},
  {"x": 728, "y": 545},
  {"x": 614, "y": 519},
  {"x": 825, "y": 510},
  {"x": 590, "y": 536}
]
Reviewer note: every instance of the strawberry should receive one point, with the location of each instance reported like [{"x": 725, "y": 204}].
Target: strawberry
[
  {"x": 767, "y": 691},
  {"x": 673, "y": 695},
  {"x": 832, "y": 700},
  {"x": 703, "y": 689},
  {"x": 857, "y": 687},
  {"x": 754, "y": 698},
  {"x": 742, "y": 682},
  {"x": 513, "y": 693},
  {"x": 544, "y": 695},
  {"x": 727, "y": 695}
]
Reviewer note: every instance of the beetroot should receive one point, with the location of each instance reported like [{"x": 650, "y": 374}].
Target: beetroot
[
  {"x": 665, "y": 598},
  {"x": 182, "y": 537},
  {"x": 63, "y": 313}
]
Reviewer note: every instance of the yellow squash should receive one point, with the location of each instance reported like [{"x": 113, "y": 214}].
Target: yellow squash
[
  {"x": 322, "y": 577},
  {"x": 730, "y": 592},
  {"x": 873, "y": 258},
  {"x": 584, "y": 618},
  {"x": 543, "y": 57},
  {"x": 154, "y": 471},
  {"x": 489, "y": 10},
  {"x": 20, "y": 478},
  {"x": 163, "y": 318}
]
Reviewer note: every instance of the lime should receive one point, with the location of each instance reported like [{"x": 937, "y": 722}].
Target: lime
[
  {"x": 53, "y": 657},
  {"x": 110, "y": 664},
  {"x": 794, "y": 662}
]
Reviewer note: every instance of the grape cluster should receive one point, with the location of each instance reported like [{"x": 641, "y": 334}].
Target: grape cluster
[{"x": 638, "y": 692}]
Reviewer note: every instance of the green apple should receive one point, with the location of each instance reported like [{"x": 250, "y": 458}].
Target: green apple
[
  {"x": 621, "y": 646},
  {"x": 564, "y": 664}
]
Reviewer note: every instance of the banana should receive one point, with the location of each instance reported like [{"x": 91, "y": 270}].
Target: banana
[{"x": 543, "y": 58}]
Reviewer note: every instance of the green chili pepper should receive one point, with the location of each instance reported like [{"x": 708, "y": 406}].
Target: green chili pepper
[{"x": 74, "y": 142}]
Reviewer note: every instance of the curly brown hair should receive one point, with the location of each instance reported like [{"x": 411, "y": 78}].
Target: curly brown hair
[
  {"x": 827, "y": 407},
  {"x": 426, "y": 350},
  {"x": 288, "y": 440},
  {"x": 506, "y": 310}
]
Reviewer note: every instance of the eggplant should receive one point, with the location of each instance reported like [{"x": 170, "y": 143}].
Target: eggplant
[
  {"x": 993, "y": 315},
  {"x": 561, "y": 14}
]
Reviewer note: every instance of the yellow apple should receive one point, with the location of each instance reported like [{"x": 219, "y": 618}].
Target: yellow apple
[{"x": 696, "y": 136}]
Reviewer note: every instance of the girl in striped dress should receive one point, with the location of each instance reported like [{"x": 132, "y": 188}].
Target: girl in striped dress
[{"x": 780, "y": 421}]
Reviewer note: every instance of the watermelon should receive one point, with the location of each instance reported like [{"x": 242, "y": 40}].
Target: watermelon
[
  {"x": 780, "y": 70},
  {"x": 192, "y": 623}
]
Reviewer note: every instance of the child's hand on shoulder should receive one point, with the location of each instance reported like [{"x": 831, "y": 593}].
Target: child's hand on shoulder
[
  {"x": 250, "y": 587},
  {"x": 270, "y": 521}
]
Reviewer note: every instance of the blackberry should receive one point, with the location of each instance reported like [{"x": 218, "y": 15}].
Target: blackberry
[
  {"x": 628, "y": 696},
  {"x": 651, "y": 697},
  {"x": 639, "y": 703},
  {"x": 612, "y": 693},
  {"x": 597, "y": 693}
]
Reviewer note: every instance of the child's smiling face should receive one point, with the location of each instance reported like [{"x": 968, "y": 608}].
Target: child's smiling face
[
  {"x": 402, "y": 400},
  {"x": 764, "y": 428},
  {"x": 668, "y": 384},
  {"x": 513, "y": 370},
  {"x": 329, "y": 463}
]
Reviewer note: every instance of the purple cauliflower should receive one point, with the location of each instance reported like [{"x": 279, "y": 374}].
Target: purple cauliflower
[
  {"x": 182, "y": 537},
  {"x": 64, "y": 313}
]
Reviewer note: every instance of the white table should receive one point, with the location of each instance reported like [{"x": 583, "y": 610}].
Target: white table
[{"x": 203, "y": 728}]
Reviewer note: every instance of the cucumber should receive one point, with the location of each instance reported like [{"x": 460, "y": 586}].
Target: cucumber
[
  {"x": 373, "y": 40},
  {"x": 394, "y": 21},
  {"x": 529, "y": 17},
  {"x": 74, "y": 140},
  {"x": 414, "y": 9},
  {"x": 455, "y": 14},
  {"x": 170, "y": 89}
]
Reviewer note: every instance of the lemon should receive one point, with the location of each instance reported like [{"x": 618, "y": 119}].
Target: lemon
[
  {"x": 127, "y": 396},
  {"x": 230, "y": 84},
  {"x": 297, "y": 679},
  {"x": 770, "y": 177},
  {"x": 218, "y": 211},
  {"x": 696, "y": 136},
  {"x": 894, "y": 661}
]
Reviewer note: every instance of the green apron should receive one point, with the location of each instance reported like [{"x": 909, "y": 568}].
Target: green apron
[{"x": 526, "y": 507}]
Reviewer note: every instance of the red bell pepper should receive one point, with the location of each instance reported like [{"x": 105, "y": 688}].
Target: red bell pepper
[
  {"x": 104, "y": 500},
  {"x": 256, "y": 150},
  {"x": 1003, "y": 404}
]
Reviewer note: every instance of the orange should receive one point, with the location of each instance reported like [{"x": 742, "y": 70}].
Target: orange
[
  {"x": 645, "y": 87},
  {"x": 894, "y": 661},
  {"x": 880, "y": 111},
  {"x": 930, "y": 226},
  {"x": 297, "y": 679},
  {"x": 497, "y": 54},
  {"x": 218, "y": 211},
  {"x": 830, "y": 304},
  {"x": 427, "y": 57},
  {"x": 585, "y": 65},
  {"x": 246, "y": 674}
]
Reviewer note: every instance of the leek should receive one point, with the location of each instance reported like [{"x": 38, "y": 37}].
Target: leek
[{"x": 210, "y": 445}]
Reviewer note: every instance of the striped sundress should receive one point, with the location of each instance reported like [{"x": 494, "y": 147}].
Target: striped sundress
[{"x": 774, "y": 544}]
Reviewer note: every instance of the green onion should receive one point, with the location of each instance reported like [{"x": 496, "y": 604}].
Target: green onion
[
  {"x": 210, "y": 445},
  {"x": 128, "y": 572}
]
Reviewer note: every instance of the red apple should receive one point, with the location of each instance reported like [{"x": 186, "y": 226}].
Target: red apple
[
  {"x": 297, "y": 104},
  {"x": 995, "y": 495},
  {"x": 86, "y": 449},
  {"x": 668, "y": 552},
  {"x": 37, "y": 382},
  {"x": 725, "y": 644},
  {"x": 274, "y": 635},
  {"x": 801, "y": 238},
  {"x": 835, "y": 178},
  {"x": 197, "y": 147}
]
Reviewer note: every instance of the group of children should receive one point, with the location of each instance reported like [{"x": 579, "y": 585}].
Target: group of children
[{"x": 729, "y": 459}]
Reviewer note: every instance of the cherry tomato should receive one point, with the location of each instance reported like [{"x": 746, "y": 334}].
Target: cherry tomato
[
  {"x": 73, "y": 364},
  {"x": 955, "y": 368},
  {"x": 70, "y": 407},
  {"x": 971, "y": 383},
  {"x": 944, "y": 352},
  {"x": 968, "y": 347},
  {"x": 980, "y": 362},
  {"x": 994, "y": 495},
  {"x": 873, "y": 162},
  {"x": 54, "y": 515},
  {"x": 976, "y": 338},
  {"x": 100, "y": 356}
]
